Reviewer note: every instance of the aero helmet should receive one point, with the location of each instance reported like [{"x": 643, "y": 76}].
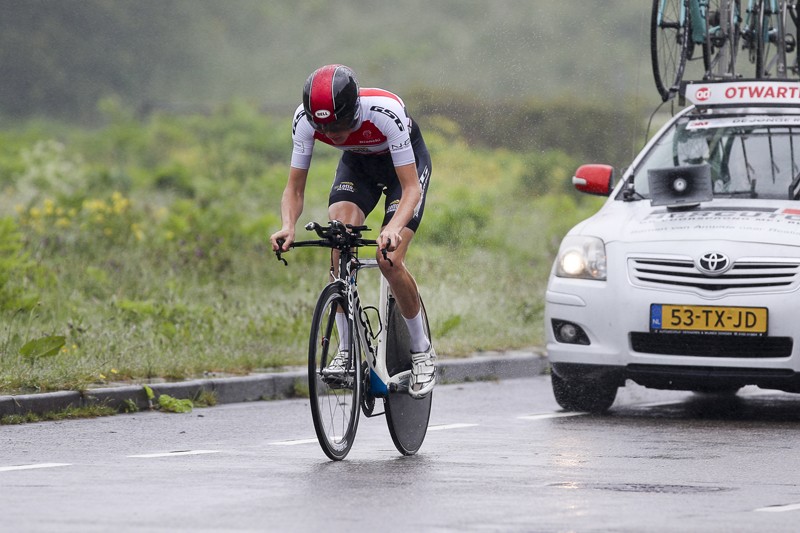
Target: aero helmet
[{"x": 330, "y": 98}]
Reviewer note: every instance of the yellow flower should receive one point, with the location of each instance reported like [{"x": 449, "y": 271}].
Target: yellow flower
[
  {"x": 121, "y": 203},
  {"x": 137, "y": 232}
]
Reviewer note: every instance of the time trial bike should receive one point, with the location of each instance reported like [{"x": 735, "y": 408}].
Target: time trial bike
[{"x": 377, "y": 343}]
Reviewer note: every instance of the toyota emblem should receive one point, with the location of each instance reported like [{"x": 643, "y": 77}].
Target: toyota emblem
[{"x": 714, "y": 263}]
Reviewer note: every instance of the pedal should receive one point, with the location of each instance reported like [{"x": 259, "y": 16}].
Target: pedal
[{"x": 337, "y": 381}]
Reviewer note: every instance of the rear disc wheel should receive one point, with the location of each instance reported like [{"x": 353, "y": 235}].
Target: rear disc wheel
[{"x": 406, "y": 417}]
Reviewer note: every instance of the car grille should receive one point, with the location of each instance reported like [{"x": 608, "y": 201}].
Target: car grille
[
  {"x": 711, "y": 345},
  {"x": 744, "y": 276}
]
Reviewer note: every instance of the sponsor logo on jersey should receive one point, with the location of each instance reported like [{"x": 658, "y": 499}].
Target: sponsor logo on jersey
[
  {"x": 389, "y": 114},
  {"x": 297, "y": 119},
  {"x": 404, "y": 144}
]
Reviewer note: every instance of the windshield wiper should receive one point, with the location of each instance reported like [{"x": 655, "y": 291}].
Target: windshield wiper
[
  {"x": 794, "y": 188},
  {"x": 743, "y": 193}
]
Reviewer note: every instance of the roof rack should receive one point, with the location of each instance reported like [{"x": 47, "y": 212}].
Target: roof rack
[{"x": 740, "y": 92}]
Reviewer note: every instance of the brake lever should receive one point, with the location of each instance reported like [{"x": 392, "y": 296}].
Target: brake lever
[
  {"x": 278, "y": 252},
  {"x": 385, "y": 252}
]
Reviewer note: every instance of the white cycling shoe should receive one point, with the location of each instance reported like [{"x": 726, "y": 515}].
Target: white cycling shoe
[
  {"x": 423, "y": 373},
  {"x": 338, "y": 365}
]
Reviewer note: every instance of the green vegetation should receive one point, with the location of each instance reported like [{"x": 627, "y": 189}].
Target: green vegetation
[
  {"x": 139, "y": 249},
  {"x": 60, "y": 58},
  {"x": 71, "y": 413}
]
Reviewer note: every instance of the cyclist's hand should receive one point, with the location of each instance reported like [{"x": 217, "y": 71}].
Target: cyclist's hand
[
  {"x": 285, "y": 235},
  {"x": 389, "y": 240}
]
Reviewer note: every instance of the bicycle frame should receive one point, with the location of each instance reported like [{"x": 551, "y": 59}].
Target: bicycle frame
[{"x": 373, "y": 345}]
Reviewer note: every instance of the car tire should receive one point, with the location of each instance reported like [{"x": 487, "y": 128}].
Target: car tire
[{"x": 594, "y": 396}]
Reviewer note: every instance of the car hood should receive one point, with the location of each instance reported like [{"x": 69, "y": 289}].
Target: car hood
[{"x": 767, "y": 222}]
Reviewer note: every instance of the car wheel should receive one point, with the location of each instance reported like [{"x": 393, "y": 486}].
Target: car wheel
[{"x": 594, "y": 396}]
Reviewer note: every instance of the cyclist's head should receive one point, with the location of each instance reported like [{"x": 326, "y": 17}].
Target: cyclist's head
[{"x": 330, "y": 99}]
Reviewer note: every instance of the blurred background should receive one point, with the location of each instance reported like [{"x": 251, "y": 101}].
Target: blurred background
[
  {"x": 144, "y": 147},
  {"x": 60, "y": 58}
]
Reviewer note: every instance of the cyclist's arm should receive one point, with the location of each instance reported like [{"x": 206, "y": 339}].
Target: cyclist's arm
[
  {"x": 291, "y": 207},
  {"x": 411, "y": 195}
]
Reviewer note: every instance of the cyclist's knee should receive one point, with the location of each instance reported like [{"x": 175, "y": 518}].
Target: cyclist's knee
[
  {"x": 392, "y": 267},
  {"x": 346, "y": 212}
]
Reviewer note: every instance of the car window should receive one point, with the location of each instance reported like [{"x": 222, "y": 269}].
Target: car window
[{"x": 750, "y": 157}]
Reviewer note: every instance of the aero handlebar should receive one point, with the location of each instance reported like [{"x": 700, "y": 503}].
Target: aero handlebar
[{"x": 335, "y": 235}]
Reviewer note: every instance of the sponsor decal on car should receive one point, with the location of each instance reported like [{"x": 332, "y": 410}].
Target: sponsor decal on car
[
  {"x": 751, "y": 120},
  {"x": 744, "y": 93}
]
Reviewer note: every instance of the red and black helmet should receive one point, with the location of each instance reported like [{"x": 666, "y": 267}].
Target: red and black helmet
[{"x": 330, "y": 98}]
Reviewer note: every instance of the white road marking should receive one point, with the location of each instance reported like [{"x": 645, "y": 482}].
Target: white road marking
[
  {"x": 32, "y": 467},
  {"x": 174, "y": 454},
  {"x": 292, "y": 442},
  {"x": 544, "y": 416},
  {"x": 780, "y": 508},
  {"x": 450, "y": 426}
]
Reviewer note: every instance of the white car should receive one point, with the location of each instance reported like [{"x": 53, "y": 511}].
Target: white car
[{"x": 687, "y": 278}]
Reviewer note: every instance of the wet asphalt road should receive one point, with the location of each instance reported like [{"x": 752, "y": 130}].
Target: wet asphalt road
[{"x": 499, "y": 456}]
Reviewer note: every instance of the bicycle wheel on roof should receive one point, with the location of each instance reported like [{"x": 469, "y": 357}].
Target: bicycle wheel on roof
[
  {"x": 771, "y": 29},
  {"x": 669, "y": 44},
  {"x": 723, "y": 24}
]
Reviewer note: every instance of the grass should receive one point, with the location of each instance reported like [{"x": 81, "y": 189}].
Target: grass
[{"x": 70, "y": 413}]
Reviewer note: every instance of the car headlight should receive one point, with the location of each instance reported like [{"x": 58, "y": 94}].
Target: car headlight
[{"x": 581, "y": 257}]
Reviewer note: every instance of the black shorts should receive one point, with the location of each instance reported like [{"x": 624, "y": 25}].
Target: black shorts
[{"x": 361, "y": 179}]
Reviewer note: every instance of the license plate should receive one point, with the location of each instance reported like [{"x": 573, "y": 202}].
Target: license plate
[{"x": 709, "y": 319}]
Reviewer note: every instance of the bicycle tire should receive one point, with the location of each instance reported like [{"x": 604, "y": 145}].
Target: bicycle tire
[
  {"x": 669, "y": 45},
  {"x": 335, "y": 401},
  {"x": 406, "y": 417},
  {"x": 770, "y": 47}
]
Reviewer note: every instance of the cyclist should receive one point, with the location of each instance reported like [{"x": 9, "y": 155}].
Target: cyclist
[{"x": 383, "y": 152}]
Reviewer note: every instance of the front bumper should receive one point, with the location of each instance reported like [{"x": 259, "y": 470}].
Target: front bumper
[{"x": 615, "y": 317}]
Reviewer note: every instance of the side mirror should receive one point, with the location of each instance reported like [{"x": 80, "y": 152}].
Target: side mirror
[{"x": 594, "y": 179}]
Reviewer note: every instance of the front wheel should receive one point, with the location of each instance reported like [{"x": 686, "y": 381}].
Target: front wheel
[
  {"x": 595, "y": 396},
  {"x": 335, "y": 398}
]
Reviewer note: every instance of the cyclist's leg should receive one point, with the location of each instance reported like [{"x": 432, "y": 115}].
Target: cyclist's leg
[
  {"x": 404, "y": 287},
  {"x": 350, "y": 202},
  {"x": 400, "y": 279}
]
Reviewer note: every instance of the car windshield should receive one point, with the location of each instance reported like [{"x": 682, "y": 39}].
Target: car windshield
[{"x": 749, "y": 156}]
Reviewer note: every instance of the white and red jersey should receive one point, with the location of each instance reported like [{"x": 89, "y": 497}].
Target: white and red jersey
[{"x": 385, "y": 127}]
